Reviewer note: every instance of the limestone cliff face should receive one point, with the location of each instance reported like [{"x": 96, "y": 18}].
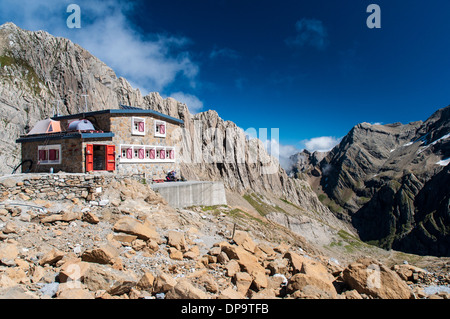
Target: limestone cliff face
[{"x": 38, "y": 69}]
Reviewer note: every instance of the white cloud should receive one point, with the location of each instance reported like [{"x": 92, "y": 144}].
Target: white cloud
[
  {"x": 310, "y": 32},
  {"x": 321, "y": 144},
  {"x": 151, "y": 61},
  {"x": 193, "y": 103}
]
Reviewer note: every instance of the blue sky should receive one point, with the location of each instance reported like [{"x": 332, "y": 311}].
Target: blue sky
[{"x": 313, "y": 69}]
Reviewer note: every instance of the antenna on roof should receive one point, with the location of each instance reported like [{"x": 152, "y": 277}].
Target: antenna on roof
[
  {"x": 56, "y": 112},
  {"x": 85, "y": 102}
]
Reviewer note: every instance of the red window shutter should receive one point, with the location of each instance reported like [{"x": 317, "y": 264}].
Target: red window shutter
[
  {"x": 152, "y": 153},
  {"x": 52, "y": 155},
  {"x": 89, "y": 157},
  {"x": 141, "y": 126},
  {"x": 172, "y": 154},
  {"x": 141, "y": 153},
  {"x": 162, "y": 154},
  {"x": 129, "y": 153},
  {"x": 162, "y": 129},
  {"x": 110, "y": 157},
  {"x": 42, "y": 155}
]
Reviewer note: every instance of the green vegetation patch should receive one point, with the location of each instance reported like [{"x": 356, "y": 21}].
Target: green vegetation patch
[
  {"x": 331, "y": 204},
  {"x": 28, "y": 72},
  {"x": 292, "y": 204},
  {"x": 261, "y": 207}
]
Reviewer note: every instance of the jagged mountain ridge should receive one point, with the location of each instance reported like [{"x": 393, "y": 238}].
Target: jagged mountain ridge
[{"x": 392, "y": 182}]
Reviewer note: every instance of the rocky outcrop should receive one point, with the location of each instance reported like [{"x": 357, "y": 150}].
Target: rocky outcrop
[
  {"x": 392, "y": 183},
  {"x": 368, "y": 276}
]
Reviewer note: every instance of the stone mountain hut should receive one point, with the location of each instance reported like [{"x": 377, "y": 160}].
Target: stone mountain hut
[{"x": 128, "y": 140}]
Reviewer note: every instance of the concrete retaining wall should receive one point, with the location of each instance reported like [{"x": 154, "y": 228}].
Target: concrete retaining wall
[{"x": 193, "y": 193}]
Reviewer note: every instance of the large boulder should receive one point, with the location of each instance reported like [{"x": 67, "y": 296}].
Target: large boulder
[
  {"x": 248, "y": 263},
  {"x": 105, "y": 254},
  {"x": 130, "y": 225},
  {"x": 185, "y": 290},
  {"x": 51, "y": 257},
  {"x": 163, "y": 283},
  {"x": 368, "y": 276},
  {"x": 244, "y": 240},
  {"x": 310, "y": 287},
  {"x": 73, "y": 271},
  {"x": 176, "y": 239},
  {"x": 104, "y": 277}
]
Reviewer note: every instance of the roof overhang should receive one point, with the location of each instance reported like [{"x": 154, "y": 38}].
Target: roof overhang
[{"x": 62, "y": 136}]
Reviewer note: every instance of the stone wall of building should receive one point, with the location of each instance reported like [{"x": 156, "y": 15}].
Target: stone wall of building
[
  {"x": 122, "y": 127},
  {"x": 150, "y": 171},
  {"x": 71, "y": 156}
]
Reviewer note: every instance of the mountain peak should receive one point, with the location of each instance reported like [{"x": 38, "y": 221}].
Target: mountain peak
[{"x": 10, "y": 26}]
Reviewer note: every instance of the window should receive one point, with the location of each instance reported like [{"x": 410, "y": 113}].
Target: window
[
  {"x": 126, "y": 152},
  {"x": 160, "y": 128},
  {"x": 49, "y": 154},
  {"x": 171, "y": 154},
  {"x": 141, "y": 153},
  {"x": 150, "y": 153},
  {"x": 146, "y": 154},
  {"x": 162, "y": 154},
  {"x": 137, "y": 126}
]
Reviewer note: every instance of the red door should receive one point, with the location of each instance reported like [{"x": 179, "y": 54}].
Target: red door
[
  {"x": 89, "y": 157},
  {"x": 110, "y": 157}
]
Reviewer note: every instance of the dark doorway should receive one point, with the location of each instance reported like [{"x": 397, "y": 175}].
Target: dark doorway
[{"x": 99, "y": 157}]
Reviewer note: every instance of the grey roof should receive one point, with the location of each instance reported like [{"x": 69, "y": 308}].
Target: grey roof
[
  {"x": 127, "y": 107},
  {"x": 62, "y": 136},
  {"x": 124, "y": 109}
]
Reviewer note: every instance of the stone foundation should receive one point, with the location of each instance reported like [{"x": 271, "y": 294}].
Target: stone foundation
[{"x": 53, "y": 186}]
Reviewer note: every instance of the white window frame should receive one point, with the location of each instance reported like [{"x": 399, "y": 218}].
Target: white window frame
[
  {"x": 47, "y": 148},
  {"x": 135, "y": 131},
  {"x": 157, "y": 123},
  {"x": 136, "y": 159},
  {"x": 168, "y": 149}
]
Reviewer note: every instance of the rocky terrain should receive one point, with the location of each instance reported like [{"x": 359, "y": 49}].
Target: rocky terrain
[
  {"x": 392, "y": 182},
  {"x": 129, "y": 244}
]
